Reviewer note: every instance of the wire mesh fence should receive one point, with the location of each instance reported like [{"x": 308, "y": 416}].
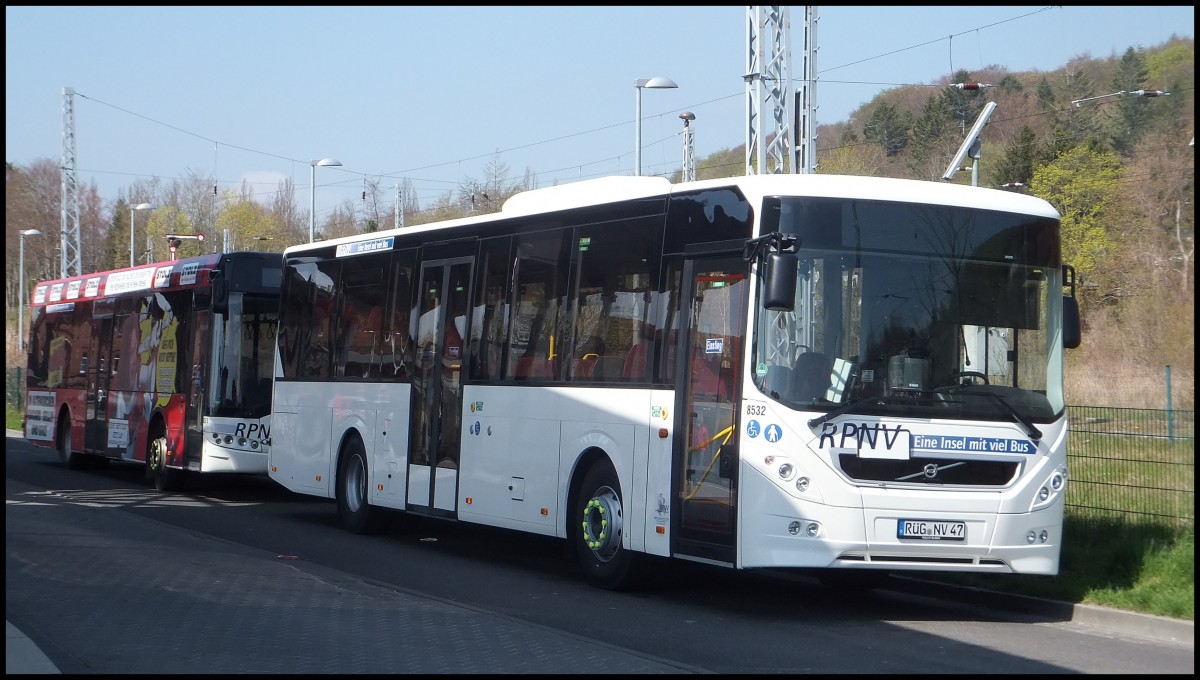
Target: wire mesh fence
[{"x": 1132, "y": 463}]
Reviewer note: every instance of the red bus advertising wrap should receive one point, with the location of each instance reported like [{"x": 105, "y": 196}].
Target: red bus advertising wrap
[{"x": 167, "y": 364}]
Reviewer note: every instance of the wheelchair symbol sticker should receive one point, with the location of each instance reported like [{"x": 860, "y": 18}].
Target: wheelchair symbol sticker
[{"x": 752, "y": 429}]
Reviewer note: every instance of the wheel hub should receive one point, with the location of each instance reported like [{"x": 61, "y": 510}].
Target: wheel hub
[{"x": 602, "y": 523}]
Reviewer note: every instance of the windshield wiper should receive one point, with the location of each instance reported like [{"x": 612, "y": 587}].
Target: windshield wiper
[
  {"x": 846, "y": 408},
  {"x": 1017, "y": 416}
]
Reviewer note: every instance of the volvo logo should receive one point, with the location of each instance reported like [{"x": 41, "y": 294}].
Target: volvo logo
[{"x": 931, "y": 470}]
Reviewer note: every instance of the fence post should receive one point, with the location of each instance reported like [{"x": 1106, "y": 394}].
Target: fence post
[{"x": 1170, "y": 411}]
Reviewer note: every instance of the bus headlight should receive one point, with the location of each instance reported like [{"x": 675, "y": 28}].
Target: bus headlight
[{"x": 805, "y": 528}]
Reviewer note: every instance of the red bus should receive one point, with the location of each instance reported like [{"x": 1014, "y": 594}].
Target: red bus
[{"x": 167, "y": 364}]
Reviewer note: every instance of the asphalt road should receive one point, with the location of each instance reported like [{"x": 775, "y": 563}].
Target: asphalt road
[{"x": 238, "y": 575}]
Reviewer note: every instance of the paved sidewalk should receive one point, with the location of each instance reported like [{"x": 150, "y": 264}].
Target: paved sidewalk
[{"x": 22, "y": 656}]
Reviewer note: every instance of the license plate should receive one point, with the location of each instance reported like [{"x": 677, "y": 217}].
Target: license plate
[{"x": 931, "y": 530}]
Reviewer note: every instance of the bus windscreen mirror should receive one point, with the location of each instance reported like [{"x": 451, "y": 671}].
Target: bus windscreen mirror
[
  {"x": 1072, "y": 336},
  {"x": 779, "y": 293}
]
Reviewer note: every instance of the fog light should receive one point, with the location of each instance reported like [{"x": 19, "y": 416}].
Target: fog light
[
  {"x": 228, "y": 439},
  {"x": 802, "y": 484},
  {"x": 1056, "y": 481},
  {"x": 1030, "y": 538},
  {"x": 1043, "y": 536},
  {"x": 786, "y": 471},
  {"x": 241, "y": 441},
  {"x": 794, "y": 528},
  {"x": 1043, "y": 493},
  {"x": 812, "y": 529}
]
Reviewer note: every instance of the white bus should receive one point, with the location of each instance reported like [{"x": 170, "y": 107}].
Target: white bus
[{"x": 777, "y": 371}]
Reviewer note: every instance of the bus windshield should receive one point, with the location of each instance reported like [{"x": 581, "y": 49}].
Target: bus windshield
[
  {"x": 916, "y": 311},
  {"x": 244, "y": 347}
]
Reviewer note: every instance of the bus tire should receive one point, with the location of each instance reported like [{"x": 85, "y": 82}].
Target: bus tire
[
  {"x": 598, "y": 520},
  {"x": 70, "y": 459},
  {"x": 356, "y": 513},
  {"x": 164, "y": 478}
]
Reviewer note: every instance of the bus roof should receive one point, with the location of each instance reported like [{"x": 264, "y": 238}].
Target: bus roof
[
  {"x": 754, "y": 187},
  {"x": 172, "y": 273}
]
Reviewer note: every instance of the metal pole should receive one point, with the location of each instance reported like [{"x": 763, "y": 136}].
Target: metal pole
[
  {"x": 21, "y": 306},
  {"x": 312, "y": 207},
  {"x": 132, "y": 212},
  {"x": 637, "y": 133},
  {"x": 1170, "y": 411}
]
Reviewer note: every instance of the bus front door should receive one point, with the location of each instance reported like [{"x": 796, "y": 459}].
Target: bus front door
[
  {"x": 96, "y": 439},
  {"x": 707, "y": 369},
  {"x": 436, "y": 420}
]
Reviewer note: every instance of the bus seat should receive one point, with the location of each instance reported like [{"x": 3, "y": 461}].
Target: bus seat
[
  {"x": 811, "y": 376},
  {"x": 534, "y": 367},
  {"x": 778, "y": 382},
  {"x": 635, "y": 362},
  {"x": 585, "y": 366}
]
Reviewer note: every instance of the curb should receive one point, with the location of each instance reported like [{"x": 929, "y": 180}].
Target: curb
[{"x": 1160, "y": 628}]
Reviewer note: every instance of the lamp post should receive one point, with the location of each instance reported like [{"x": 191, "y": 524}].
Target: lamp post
[
  {"x": 132, "y": 231},
  {"x": 21, "y": 306},
  {"x": 312, "y": 213},
  {"x": 657, "y": 82}
]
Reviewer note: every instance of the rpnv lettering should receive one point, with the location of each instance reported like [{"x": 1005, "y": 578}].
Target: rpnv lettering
[
  {"x": 252, "y": 431},
  {"x": 854, "y": 435}
]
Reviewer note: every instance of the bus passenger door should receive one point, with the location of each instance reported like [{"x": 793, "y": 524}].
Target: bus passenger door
[
  {"x": 98, "y": 373},
  {"x": 708, "y": 359},
  {"x": 437, "y": 391}
]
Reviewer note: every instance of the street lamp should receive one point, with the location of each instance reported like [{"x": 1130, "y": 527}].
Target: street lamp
[
  {"x": 132, "y": 208},
  {"x": 312, "y": 213},
  {"x": 21, "y": 307},
  {"x": 658, "y": 83}
]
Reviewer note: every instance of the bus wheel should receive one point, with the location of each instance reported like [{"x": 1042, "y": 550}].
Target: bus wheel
[
  {"x": 599, "y": 523},
  {"x": 71, "y": 460},
  {"x": 358, "y": 516},
  {"x": 165, "y": 478}
]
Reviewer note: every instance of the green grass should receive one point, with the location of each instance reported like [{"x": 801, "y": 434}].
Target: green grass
[
  {"x": 1138, "y": 563},
  {"x": 12, "y": 417},
  {"x": 1142, "y": 566}
]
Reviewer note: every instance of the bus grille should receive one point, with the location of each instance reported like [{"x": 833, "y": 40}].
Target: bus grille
[{"x": 930, "y": 471}]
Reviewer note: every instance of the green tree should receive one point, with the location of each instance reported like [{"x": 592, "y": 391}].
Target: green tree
[
  {"x": 1131, "y": 113},
  {"x": 1082, "y": 185},
  {"x": 935, "y": 136},
  {"x": 250, "y": 225},
  {"x": 888, "y": 127},
  {"x": 1019, "y": 158}
]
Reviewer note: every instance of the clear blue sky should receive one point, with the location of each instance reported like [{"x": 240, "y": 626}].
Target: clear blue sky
[{"x": 432, "y": 94}]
